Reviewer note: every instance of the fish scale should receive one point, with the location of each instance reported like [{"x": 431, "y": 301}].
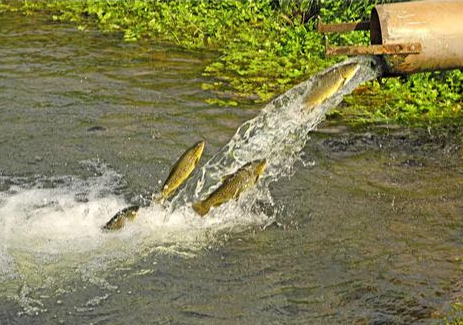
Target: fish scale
[
  {"x": 181, "y": 171},
  {"x": 232, "y": 186}
]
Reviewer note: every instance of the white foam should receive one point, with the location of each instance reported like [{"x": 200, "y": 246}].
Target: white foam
[
  {"x": 277, "y": 134},
  {"x": 52, "y": 236}
]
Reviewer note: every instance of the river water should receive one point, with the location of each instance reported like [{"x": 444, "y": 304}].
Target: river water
[{"x": 364, "y": 227}]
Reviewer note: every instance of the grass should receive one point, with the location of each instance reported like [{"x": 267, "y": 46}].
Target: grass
[{"x": 265, "y": 48}]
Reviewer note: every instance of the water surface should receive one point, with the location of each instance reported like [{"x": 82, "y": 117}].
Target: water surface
[{"x": 365, "y": 228}]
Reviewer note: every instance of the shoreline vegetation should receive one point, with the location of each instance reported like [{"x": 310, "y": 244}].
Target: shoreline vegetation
[{"x": 265, "y": 48}]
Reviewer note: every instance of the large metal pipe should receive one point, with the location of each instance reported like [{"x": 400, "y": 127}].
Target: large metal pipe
[
  {"x": 436, "y": 25},
  {"x": 411, "y": 36}
]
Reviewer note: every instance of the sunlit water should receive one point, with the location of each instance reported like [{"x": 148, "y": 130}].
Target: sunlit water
[{"x": 340, "y": 229}]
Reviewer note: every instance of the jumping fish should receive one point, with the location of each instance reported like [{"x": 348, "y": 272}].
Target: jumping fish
[
  {"x": 232, "y": 186},
  {"x": 181, "y": 171},
  {"x": 120, "y": 218},
  {"x": 330, "y": 83}
]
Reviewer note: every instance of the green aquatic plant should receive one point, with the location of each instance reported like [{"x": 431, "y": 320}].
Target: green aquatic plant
[
  {"x": 456, "y": 315},
  {"x": 5, "y": 7},
  {"x": 264, "y": 48},
  {"x": 424, "y": 98}
]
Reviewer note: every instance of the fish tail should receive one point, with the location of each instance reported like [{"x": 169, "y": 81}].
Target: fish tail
[
  {"x": 200, "y": 208},
  {"x": 158, "y": 198}
]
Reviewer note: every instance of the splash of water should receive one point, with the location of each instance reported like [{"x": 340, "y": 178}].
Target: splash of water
[
  {"x": 278, "y": 133},
  {"x": 50, "y": 235},
  {"x": 51, "y": 229}
]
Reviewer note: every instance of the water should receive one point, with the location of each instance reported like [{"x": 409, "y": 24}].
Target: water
[
  {"x": 357, "y": 228},
  {"x": 278, "y": 133}
]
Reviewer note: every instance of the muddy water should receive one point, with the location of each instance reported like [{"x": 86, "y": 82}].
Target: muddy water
[{"x": 367, "y": 230}]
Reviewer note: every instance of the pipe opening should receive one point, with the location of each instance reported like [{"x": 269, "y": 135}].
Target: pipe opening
[{"x": 375, "y": 28}]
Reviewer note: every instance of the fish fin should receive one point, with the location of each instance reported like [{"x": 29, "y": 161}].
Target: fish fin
[
  {"x": 236, "y": 195},
  {"x": 200, "y": 208},
  {"x": 197, "y": 161},
  {"x": 158, "y": 198}
]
